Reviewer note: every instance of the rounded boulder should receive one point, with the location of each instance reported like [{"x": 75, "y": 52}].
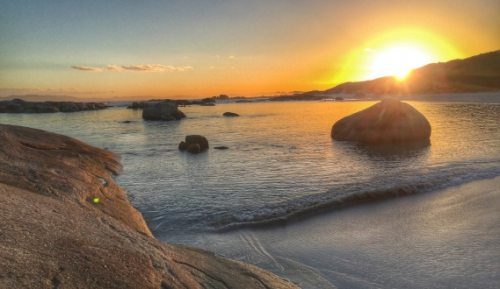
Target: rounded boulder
[{"x": 387, "y": 122}]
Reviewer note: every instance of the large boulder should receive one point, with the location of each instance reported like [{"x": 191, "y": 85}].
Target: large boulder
[
  {"x": 387, "y": 122},
  {"x": 164, "y": 110}
]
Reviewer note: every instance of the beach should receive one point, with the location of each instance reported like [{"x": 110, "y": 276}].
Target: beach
[{"x": 443, "y": 239}]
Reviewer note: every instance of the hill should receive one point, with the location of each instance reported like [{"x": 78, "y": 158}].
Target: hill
[{"x": 480, "y": 73}]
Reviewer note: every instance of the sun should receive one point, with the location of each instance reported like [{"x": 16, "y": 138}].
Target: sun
[
  {"x": 397, "y": 61},
  {"x": 394, "y": 52}
]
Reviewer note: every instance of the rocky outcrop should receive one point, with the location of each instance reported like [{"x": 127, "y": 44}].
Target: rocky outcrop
[
  {"x": 179, "y": 102},
  {"x": 65, "y": 223},
  {"x": 194, "y": 144},
  {"x": 387, "y": 122},
  {"x": 21, "y": 106},
  {"x": 163, "y": 110},
  {"x": 230, "y": 114},
  {"x": 136, "y": 105}
]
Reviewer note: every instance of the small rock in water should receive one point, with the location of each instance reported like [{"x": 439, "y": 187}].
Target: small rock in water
[
  {"x": 221, "y": 148},
  {"x": 197, "y": 139},
  {"x": 194, "y": 144},
  {"x": 194, "y": 148},
  {"x": 230, "y": 114},
  {"x": 183, "y": 146}
]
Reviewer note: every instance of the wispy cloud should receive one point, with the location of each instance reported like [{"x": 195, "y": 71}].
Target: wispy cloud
[
  {"x": 114, "y": 68},
  {"x": 156, "y": 68},
  {"x": 87, "y": 68},
  {"x": 136, "y": 68}
]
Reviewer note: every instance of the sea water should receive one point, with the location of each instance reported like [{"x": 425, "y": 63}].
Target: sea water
[{"x": 281, "y": 164}]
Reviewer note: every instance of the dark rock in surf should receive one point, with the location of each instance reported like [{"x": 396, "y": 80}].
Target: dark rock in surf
[
  {"x": 197, "y": 139},
  {"x": 194, "y": 148},
  {"x": 194, "y": 144},
  {"x": 387, "y": 122},
  {"x": 183, "y": 146},
  {"x": 230, "y": 114},
  {"x": 163, "y": 110}
]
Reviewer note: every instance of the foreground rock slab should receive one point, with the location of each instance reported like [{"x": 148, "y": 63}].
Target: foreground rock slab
[
  {"x": 53, "y": 234},
  {"x": 387, "y": 122}
]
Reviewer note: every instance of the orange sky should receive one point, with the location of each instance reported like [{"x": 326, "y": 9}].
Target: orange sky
[{"x": 192, "y": 49}]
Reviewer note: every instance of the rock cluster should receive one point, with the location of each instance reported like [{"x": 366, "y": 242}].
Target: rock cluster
[
  {"x": 180, "y": 102},
  {"x": 21, "y": 106}
]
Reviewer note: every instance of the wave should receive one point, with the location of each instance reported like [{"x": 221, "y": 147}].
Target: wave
[{"x": 350, "y": 195}]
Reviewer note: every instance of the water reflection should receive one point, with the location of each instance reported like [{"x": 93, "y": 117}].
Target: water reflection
[{"x": 413, "y": 153}]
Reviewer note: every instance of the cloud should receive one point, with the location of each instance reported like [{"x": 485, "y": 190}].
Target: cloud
[
  {"x": 156, "y": 68},
  {"x": 87, "y": 68},
  {"x": 135, "y": 68},
  {"x": 114, "y": 68}
]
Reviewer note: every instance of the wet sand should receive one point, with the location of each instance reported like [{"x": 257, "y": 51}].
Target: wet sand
[{"x": 443, "y": 239}]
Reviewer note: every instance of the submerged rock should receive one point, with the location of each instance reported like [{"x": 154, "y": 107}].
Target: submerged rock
[
  {"x": 164, "y": 110},
  {"x": 65, "y": 223},
  {"x": 221, "y": 148},
  {"x": 230, "y": 114},
  {"x": 387, "y": 122}
]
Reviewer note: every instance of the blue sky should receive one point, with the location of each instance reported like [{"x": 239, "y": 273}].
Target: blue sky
[{"x": 240, "y": 47}]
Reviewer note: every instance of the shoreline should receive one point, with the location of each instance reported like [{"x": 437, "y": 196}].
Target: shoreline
[
  {"x": 400, "y": 243},
  {"x": 351, "y": 201},
  {"x": 65, "y": 223}
]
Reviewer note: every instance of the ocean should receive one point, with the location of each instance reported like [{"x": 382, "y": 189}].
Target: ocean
[{"x": 282, "y": 169}]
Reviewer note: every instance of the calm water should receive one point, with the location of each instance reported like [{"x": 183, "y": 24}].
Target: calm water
[{"x": 281, "y": 160}]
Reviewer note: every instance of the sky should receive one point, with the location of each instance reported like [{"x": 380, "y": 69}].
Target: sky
[{"x": 199, "y": 48}]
